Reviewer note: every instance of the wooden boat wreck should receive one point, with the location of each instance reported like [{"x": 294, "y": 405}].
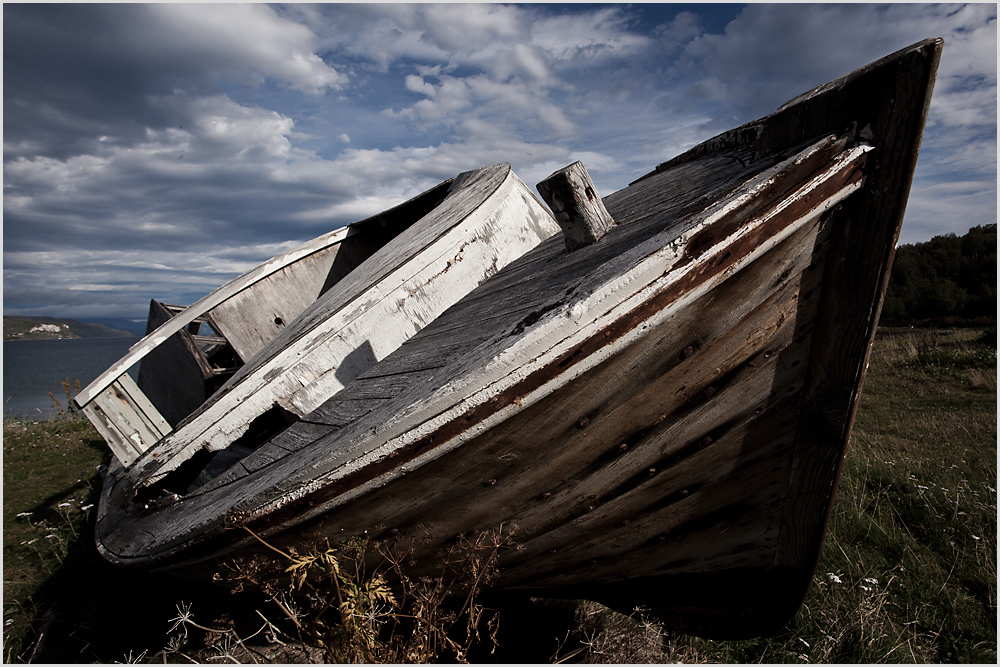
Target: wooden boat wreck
[{"x": 657, "y": 401}]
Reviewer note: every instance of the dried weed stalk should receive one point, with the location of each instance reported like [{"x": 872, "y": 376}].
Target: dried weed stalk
[{"x": 356, "y": 601}]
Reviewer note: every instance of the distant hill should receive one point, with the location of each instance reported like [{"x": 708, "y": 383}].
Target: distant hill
[
  {"x": 17, "y": 327},
  {"x": 133, "y": 327},
  {"x": 947, "y": 281}
]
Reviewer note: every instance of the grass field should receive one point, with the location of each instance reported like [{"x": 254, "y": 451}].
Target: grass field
[{"x": 908, "y": 570}]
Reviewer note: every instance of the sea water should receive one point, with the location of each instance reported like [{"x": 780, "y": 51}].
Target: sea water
[{"x": 33, "y": 368}]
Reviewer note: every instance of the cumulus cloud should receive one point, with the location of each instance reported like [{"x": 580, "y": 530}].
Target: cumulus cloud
[
  {"x": 807, "y": 45},
  {"x": 81, "y": 72},
  {"x": 158, "y": 150},
  {"x": 244, "y": 42},
  {"x": 588, "y": 38}
]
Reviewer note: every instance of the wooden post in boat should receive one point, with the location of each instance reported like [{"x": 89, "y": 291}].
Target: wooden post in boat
[{"x": 573, "y": 199}]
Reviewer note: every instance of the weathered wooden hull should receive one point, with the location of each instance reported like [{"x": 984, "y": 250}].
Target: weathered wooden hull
[{"x": 658, "y": 418}]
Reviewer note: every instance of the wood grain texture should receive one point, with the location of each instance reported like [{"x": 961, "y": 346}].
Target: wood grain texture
[
  {"x": 250, "y": 310},
  {"x": 572, "y": 196},
  {"x": 200, "y": 308},
  {"x": 174, "y": 375},
  {"x": 660, "y": 416}
]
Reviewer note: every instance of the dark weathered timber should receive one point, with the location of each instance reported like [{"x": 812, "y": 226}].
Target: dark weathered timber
[
  {"x": 176, "y": 376},
  {"x": 571, "y": 195},
  {"x": 889, "y": 100},
  {"x": 658, "y": 418}
]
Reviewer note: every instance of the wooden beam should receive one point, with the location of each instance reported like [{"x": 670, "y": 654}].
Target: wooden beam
[{"x": 573, "y": 199}]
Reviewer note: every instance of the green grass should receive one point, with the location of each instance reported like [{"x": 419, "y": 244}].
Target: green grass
[
  {"x": 49, "y": 477},
  {"x": 917, "y": 506},
  {"x": 907, "y": 574},
  {"x": 62, "y": 602},
  {"x": 908, "y": 570}
]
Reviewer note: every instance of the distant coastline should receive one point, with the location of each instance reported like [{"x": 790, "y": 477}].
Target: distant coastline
[
  {"x": 18, "y": 327},
  {"x": 37, "y": 372}
]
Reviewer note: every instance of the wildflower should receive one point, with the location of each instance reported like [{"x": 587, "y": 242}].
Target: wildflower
[
  {"x": 870, "y": 580},
  {"x": 921, "y": 486},
  {"x": 64, "y": 505},
  {"x": 49, "y": 537},
  {"x": 84, "y": 508},
  {"x": 24, "y": 514},
  {"x": 9, "y": 622},
  {"x": 834, "y": 578},
  {"x": 975, "y": 538}
]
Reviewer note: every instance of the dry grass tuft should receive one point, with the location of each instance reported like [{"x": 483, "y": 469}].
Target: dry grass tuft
[{"x": 604, "y": 636}]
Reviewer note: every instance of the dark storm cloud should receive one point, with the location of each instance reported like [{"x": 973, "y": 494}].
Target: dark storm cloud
[{"x": 75, "y": 73}]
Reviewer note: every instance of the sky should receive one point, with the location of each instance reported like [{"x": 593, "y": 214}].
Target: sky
[{"x": 159, "y": 150}]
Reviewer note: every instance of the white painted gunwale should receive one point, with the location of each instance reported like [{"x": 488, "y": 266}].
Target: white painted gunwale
[{"x": 152, "y": 340}]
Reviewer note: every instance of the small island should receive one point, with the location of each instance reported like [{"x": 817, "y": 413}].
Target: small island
[{"x": 17, "y": 327}]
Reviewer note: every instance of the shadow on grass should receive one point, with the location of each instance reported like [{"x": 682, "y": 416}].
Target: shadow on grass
[{"x": 88, "y": 610}]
